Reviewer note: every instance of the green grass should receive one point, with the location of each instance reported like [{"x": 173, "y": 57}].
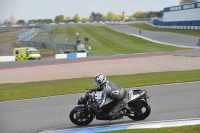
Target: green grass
[
  {"x": 143, "y": 26},
  {"x": 42, "y": 32},
  {"x": 5, "y": 38},
  {"x": 47, "y": 50},
  {"x": 5, "y": 35},
  {"x": 105, "y": 41},
  {"x": 14, "y": 91},
  {"x": 182, "y": 129},
  {"x": 102, "y": 40},
  {"x": 3, "y": 30},
  {"x": 59, "y": 39},
  {"x": 6, "y": 30}
]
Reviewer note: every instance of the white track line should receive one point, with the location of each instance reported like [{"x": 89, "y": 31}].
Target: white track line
[{"x": 141, "y": 125}]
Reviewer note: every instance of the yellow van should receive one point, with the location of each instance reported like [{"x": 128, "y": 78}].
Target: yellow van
[{"x": 26, "y": 53}]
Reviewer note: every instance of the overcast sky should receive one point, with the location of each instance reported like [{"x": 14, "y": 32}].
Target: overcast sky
[{"x": 36, "y": 9}]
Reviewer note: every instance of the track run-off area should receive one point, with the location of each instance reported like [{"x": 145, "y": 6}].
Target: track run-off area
[{"x": 44, "y": 70}]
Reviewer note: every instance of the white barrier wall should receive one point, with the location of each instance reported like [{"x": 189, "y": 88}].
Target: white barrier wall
[
  {"x": 60, "y": 56},
  {"x": 81, "y": 55},
  {"x": 7, "y": 58},
  {"x": 71, "y": 55}
]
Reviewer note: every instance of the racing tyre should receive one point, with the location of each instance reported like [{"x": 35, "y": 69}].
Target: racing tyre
[
  {"x": 80, "y": 118},
  {"x": 141, "y": 110}
]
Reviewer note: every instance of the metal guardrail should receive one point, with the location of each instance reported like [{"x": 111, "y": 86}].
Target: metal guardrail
[
  {"x": 46, "y": 45},
  {"x": 175, "y": 27},
  {"x": 25, "y": 35},
  {"x": 46, "y": 27},
  {"x": 57, "y": 39},
  {"x": 30, "y": 38}
]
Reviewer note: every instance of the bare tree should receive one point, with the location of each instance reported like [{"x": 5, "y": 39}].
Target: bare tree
[
  {"x": 93, "y": 16},
  {"x": 96, "y": 16},
  {"x": 187, "y": 1},
  {"x": 99, "y": 16},
  {"x": 12, "y": 19}
]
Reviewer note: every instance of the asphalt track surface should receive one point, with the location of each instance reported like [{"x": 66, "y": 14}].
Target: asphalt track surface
[
  {"x": 32, "y": 63},
  {"x": 166, "y": 37},
  {"x": 168, "y": 102}
]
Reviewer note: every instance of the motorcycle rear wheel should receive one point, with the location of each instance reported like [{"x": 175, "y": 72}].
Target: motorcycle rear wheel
[
  {"x": 80, "y": 118},
  {"x": 137, "y": 108}
]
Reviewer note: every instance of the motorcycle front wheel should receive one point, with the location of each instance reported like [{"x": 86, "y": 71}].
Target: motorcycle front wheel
[
  {"x": 141, "y": 110},
  {"x": 80, "y": 118}
]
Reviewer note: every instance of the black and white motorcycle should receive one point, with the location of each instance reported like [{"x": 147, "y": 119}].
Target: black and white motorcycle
[{"x": 83, "y": 114}]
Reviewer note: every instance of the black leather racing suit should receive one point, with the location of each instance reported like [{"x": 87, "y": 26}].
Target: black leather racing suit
[{"x": 116, "y": 93}]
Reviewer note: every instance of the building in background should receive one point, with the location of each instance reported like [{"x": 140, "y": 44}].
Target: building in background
[
  {"x": 181, "y": 15},
  {"x": 124, "y": 16}
]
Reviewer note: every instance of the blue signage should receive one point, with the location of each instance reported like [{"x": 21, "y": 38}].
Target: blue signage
[{"x": 182, "y": 7}]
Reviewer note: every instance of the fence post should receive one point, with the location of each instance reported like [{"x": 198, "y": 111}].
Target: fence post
[
  {"x": 77, "y": 37},
  {"x": 198, "y": 44}
]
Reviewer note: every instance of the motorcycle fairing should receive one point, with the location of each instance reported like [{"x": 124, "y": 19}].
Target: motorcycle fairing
[
  {"x": 132, "y": 95},
  {"x": 79, "y": 108}
]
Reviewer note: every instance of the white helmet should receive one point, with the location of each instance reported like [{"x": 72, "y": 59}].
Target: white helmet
[{"x": 99, "y": 79}]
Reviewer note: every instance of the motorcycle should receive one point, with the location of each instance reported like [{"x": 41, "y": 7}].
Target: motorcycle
[{"x": 136, "y": 109}]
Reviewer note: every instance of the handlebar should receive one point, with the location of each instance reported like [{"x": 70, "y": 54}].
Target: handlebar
[{"x": 91, "y": 90}]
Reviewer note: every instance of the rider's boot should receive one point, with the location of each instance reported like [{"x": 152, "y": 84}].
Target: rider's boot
[
  {"x": 128, "y": 111},
  {"x": 120, "y": 114}
]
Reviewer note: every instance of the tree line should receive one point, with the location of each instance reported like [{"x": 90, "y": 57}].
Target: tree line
[
  {"x": 40, "y": 21},
  {"x": 33, "y": 21},
  {"x": 142, "y": 14},
  {"x": 93, "y": 16}
]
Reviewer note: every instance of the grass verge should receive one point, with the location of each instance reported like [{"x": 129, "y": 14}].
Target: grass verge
[
  {"x": 144, "y": 26},
  {"x": 104, "y": 41},
  {"x": 5, "y": 38},
  {"x": 182, "y": 129},
  {"x": 16, "y": 91}
]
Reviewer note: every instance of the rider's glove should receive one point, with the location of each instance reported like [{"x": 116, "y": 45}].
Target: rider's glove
[{"x": 91, "y": 90}]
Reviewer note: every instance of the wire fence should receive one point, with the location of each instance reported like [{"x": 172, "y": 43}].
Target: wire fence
[
  {"x": 30, "y": 38},
  {"x": 58, "y": 39},
  {"x": 47, "y": 45}
]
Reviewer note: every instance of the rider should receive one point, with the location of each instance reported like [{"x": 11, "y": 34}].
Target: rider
[{"x": 113, "y": 92}]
